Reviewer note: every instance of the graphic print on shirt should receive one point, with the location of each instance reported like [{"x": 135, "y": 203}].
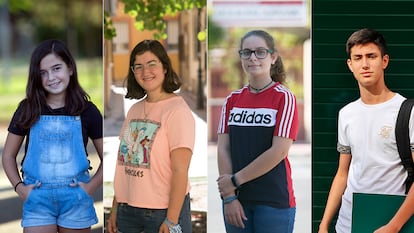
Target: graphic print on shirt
[{"x": 136, "y": 142}]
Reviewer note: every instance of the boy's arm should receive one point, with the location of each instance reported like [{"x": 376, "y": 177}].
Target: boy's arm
[
  {"x": 403, "y": 214},
  {"x": 335, "y": 194}
]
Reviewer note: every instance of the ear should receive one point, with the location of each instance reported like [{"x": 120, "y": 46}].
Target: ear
[
  {"x": 70, "y": 70},
  {"x": 349, "y": 63},
  {"x": 385, "y": 61},
  {"x": 274, "y": 56}
]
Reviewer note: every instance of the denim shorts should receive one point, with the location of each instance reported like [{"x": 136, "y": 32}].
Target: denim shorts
[
  {"x": 136, "y": 220},
  {"x": 265, "y": 219},
  {"x": 64, "y": 204}
]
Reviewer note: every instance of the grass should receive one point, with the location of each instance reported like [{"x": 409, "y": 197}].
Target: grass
[{"x": 12, "y": 90}]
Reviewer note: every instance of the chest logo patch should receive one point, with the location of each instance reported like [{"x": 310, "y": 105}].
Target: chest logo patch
[{"x": 385, "y": 131}]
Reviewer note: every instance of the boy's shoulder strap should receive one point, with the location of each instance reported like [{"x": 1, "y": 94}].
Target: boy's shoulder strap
[{"x": 402, "y": 136}]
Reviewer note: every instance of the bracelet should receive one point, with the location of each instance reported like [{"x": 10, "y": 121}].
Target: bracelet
[
  {"x": 15, "y": 186},
  {"x": 230, "y": 199},
  {"x": 173, "y": 228},
  {"x": 234, "y": 181}
]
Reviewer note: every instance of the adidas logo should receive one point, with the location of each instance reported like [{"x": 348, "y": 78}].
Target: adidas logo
[{"x": 252, "y": 117}]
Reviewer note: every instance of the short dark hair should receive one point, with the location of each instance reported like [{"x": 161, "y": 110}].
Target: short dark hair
[
  {"x": 365, "y": 36},
  {"x": 277, "y": 70},
  {"x": 171, "y": 82}
]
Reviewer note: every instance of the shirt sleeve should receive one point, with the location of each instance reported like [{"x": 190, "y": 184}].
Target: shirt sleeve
[
  {"x": 287, "y": 122},
  {"x": 94, "y": 122},
  {"x": 343, "y": 146},
  {"x": 13, "y": 127},
  {"x": 224, "y": 117},
  {"x": 181, "y": 129}
]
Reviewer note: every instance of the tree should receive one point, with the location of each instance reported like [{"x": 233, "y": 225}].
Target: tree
[
  {"x": 149, "y": 14},
  {"x": 77, "y": 22},
  {"x": 216, "y": 34}
]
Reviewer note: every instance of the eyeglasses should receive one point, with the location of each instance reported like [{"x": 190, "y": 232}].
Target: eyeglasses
[
  {"x": 139, "y": 68},
  {"x": 260, "y": 53}
]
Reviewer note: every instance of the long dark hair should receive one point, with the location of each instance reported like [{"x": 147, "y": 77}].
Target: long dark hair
[
  {"x": 277, "y": 70},
  {"x": 171, "y": 82},
  {"x": 31, "y": 107}
]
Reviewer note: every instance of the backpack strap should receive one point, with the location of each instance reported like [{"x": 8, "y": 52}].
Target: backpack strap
[{"x": 402, "y": 136}]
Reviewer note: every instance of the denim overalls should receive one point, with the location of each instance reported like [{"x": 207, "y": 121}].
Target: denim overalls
[{"x": 55, "y": 162}]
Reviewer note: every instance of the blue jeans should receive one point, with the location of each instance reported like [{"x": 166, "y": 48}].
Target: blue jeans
[
  {"x": 137, "y": 220},
  {"x": 265, "y": 219}
]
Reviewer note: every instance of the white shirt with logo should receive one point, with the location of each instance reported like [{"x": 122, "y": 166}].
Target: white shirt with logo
[{"x": 368, "y": 130}]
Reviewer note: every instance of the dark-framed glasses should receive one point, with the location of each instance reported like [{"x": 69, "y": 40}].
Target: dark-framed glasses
[
  {"x": 139, "y": 68},
  {"x": 260, "y": 53}
]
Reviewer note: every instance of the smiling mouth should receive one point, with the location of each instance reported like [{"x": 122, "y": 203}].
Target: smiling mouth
[
  {"x": 54, "y": 84},
  {"x": 148, "y": 78}
]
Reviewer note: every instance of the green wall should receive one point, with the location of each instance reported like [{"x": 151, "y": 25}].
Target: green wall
[{"x": 333, "y": 21}]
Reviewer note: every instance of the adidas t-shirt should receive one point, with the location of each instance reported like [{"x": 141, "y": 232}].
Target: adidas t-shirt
[{"x": 252, "y": 120}]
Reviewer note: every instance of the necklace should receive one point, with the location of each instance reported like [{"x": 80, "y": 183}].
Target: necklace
[{"x": 257, "y": 90}]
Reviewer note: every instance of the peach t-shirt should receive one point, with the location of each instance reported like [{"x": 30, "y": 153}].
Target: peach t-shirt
[{"x": 143, "y": 171}]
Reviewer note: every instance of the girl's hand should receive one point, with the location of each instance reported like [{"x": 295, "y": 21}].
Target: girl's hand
[
  {"x": 225, "y": 185},
  {"x": 24, "y": 190},
  {"x": 86, "y": 187},
  {"x": 111, "y": 222},
  {"x": 164, "y": 228},
  {"x": 234, "y": 214}
]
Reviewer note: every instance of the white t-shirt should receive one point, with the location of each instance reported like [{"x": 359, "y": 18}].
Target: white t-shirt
[{"x": 369, "y": 132}]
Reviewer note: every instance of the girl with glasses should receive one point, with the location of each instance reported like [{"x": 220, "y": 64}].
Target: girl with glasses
[
  {"x": 257, "y": 127},
  {"x": 156, "y": 142}
]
